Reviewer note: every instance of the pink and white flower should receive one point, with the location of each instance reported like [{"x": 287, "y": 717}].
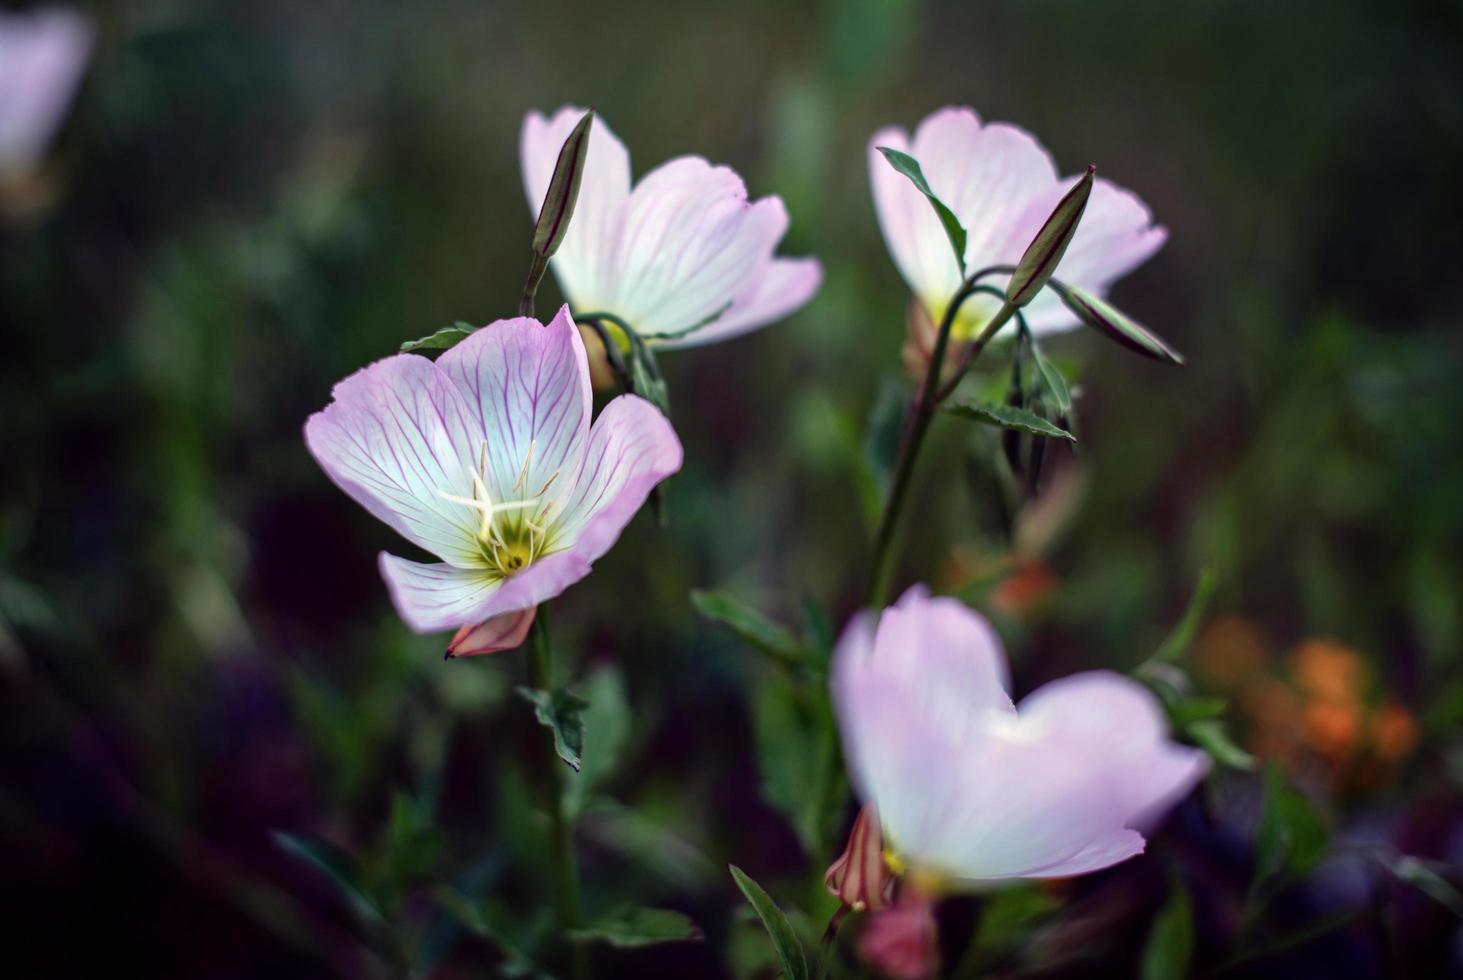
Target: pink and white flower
[
  {"x": 968, "y": 787},
  {"x": 684, "y": 257},
  {"x": 1002, "y": 185},
  {"x": 42, "y": 57},
  {"x": 487, "y": 459}
]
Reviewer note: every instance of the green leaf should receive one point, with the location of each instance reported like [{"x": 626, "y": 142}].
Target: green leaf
[
  {"x": 1183, "y": 714},
  {"x": 632, "y": 928},
  {"x": 339, "y": 865},
  {"x": 1170, "y": 946},
  {"x": 1212, "y": 738},
  {"x": 1009, "y": 915},
  {"x": 563, "y": 192},
  {"x": 1420, "y": 875},
  {"x": 490, "y": 921},
  {"x": 1115, "y": 324},
  {"x": 771, "y": 638},
  {"x": 784, "y": 940},
  {"x": 562, "y": 713},
  {"x": 954, "y": 230},
  {"x": 606, "y": 724},
  {"x": 1291, "y": 836},
  {"x": 1044, "y": 253},
  {"x": 1181, "y": 637},
  {"x": 818, "y": 629},
  {"x": 1053, "y": 382},
  {"x": 1010, "y": 417},
  {"x": 788, "y": 728},
  {"x": 444, "y": 339},
  {"x": 645, "y": 376}
]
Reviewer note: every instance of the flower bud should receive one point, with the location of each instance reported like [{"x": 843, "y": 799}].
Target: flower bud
[
  {"x": 901, "y": 942},
  {"x": 1117, "y": 325},
  {"x": 860, "y": 878},
  {"x": 1050, "y": 244},
  {"x": 504, "y": 632},
  {"x": 558, "y": 206}
]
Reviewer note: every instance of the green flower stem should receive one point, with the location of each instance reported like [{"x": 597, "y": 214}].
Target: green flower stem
[
  {"x": 923, "y": 410},
  {"x": 561, "y": 832}
]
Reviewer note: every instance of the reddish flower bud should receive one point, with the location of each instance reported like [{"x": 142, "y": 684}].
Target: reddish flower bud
[
  {"x": 901, "y": 941},
  {"x": 503, "y": 632},
  {"x": 860, "y": 878}
]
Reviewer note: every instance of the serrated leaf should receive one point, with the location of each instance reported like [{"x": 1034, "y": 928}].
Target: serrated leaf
[
  {"x": 606, "y": 724},
  {"x": 1170, "y": 946},
  {"x": 558, "y": 204},
  {"x": 1115, "y": 324},
  {"x": 910, "y": 168},
  {"x": 1045, "y": 252},
  {"x": 767, "y": 636},
  {"x": 632, "y": 928},
  {"x": 444, "y": 339},
  {"x": 562, "y": 713},
  {"x": 784, "y": 940},
  {"x": 339, "y": 865},
  {"x": 1213, "y": 739},
  {"x": 1291, "y": 835},
  {"x": 1053, "y": 382},
  {"x": 1013, "y": 418}
]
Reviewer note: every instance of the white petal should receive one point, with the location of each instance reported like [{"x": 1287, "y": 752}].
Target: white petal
[
  {"x": 434, "y": 598},
  {"x": 781, "y": 288}
]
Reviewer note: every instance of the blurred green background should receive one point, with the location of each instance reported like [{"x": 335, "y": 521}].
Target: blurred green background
[{"x": 251, "y": 201}]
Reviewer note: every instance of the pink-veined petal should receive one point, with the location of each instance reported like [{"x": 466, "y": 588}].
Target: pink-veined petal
[
  {"x": 783, "y": 287},
  {"x": 632, "y": 447},
  {"x": 690, "y": 245},
  {"x": 396, "y": 438},
  {"x": 587, "y": 259},
  {"x": 528, "y": 385},
  {"x": 434, "y": 598}
]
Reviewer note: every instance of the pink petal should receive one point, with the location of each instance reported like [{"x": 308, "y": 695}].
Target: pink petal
[
  {"x": 632, "y": 447},
  {"x": 504, "y": 632},
  {"x": 42, "y": 57},
  {"x": 780, "y": 289},
  {"x": 528, "y": 386},
  {"x": 396, "y": 438},
  {"x": 584, "y": 263},
  {"x": 435, "y": 598},
  {"x": 690, "y": 245}
]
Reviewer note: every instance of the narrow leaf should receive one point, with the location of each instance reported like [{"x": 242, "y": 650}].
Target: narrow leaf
[
  {"x": 1419, "y": 875},
  {"x": 338, "y": 864},
  {"x": 1046, "y": 250},
  {"x": 784, "y": 940},
  {"x": 633, "y": 928},
  {"x": 1213, "y": 739},
  {"x": 1053, "y": 383},
  {"x": 558, "y": 206},
  {"x": 562, "y": 713},
  {"x": 1011, "y": 417},
  {"x": 1170, "y": 944},
  {"x": 954, "y": 230},
  {"x": 771, "y": 638},
  {"x": 1178, "y": 641},
  {"x": 444, "y": 339},
  {"x": 1116, "y": 325}
]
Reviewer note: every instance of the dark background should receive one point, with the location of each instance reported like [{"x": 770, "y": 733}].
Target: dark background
[{"x": 252, "y": 200}]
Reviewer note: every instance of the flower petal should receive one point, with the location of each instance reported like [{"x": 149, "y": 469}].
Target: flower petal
[
  {"x": 586, "y": 261},
  {"x": 632, "y": 447},
  {"x": 528, "y": 386},
  {"x": 42, "y": 57},
  {"x": 396, "y": 438},
  {"x": 782, "y": 287},
  {"x": 690, "y": 245},
  {"x": 433, "y": 598}
]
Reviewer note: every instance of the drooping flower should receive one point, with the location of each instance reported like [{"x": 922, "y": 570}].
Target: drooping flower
[
  {"x": 42, "y": 56},
  {"x": 1002, "y": 185},
  {"x": 970, "y": 788},
  {"x": 487, "y": 459},
  {"x": 684, "y": 257}
]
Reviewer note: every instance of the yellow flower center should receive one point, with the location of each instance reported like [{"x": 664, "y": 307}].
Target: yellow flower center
[{"x": 508, "y": 539}]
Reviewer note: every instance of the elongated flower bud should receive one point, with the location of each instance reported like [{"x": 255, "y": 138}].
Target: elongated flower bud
[
  {"x": 860, "y": 878},
  {"x": 1050, "y": 244},
  {"x": 1117, "y": 325},
  {"x": 558, "y": 206}
]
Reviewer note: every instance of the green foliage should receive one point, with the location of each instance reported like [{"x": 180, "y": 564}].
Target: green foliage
[
  {"x": 633, "y": 928},
  {"x": 954, "y": 230},
  {"x": 1291, "y": 836},
  {"x": 1053, "y": 384},
  {"x": 796, "y": 756},
  {"x": 444, "y": 339},
  {"x": 605, "y": 723},
  {"x": 1170, "y": 947},
  {"x": 562, "y": 713},
  {"x": 762, "y": 633},
  {"x": 1178, "y": 641},
  {"x": 341, "y": 867},
  {"x": 784, "y": 939},
  {"x": 1009, "y": 417}
]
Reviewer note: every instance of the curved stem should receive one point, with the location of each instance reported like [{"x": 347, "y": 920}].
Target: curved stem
[
  {"x": 561, "y": 832},
  {"x": 923, "y": 409}
]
